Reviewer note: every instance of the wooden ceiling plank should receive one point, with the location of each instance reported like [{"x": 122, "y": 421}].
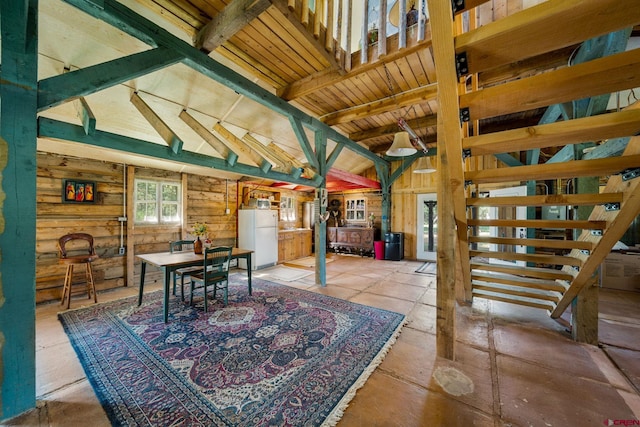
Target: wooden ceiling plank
[
  {"x": 548, "y": 200},
  {"x": 324, "y": 79},
  {"x": 416, "y": 124},
  {"x": 573, "y": 21},
  {"x": 573, "y": 169},
  {"x": 235, "y": 54},
  {"x": 209, "y": 138},
  {"x": 294, "y": 19},
  {"x": 600, "y": 76},
  {"x": 232, "y": 19},
  {"x": 165, "y": 132},
  {"x": 385, "y": 105},
  {"x": 593, "y": 128}
]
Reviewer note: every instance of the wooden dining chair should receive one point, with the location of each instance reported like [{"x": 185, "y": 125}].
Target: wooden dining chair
[
  {"x": 83, "y": 243},
  {"x": 177, "y": 246},
  {"x": 215, "y": 273}
]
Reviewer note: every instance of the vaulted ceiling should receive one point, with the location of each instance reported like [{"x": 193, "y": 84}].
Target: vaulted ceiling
[{"x": 279, "y": 49}]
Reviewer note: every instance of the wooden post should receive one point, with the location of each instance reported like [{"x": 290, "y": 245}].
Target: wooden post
[
  {"x": 320, "y": 228},
  {"x": 18, "y": 164},
  {"x": 131, "y": 240},
  {"x": 584, "y": 315}
]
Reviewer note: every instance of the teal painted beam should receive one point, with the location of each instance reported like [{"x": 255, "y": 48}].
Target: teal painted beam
[
  {"x": 612, "y": 148},
  {"x": 49, "y": 128},
  {"x": 125, "y": 19},
  {"x": 334, "y": 155},
  {"x": 304, "y": 142},
  {"x": 67, "y": 86},
  {"x": 320, "y": 228},
  {"x": 18, "y": 165},
  {"x": 564, "y": 155}
]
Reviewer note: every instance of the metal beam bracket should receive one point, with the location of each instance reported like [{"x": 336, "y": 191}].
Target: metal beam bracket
[
  {"x": 629, "y": 174},
  {"x": 596, "y": 232},
  {"x": 609, "y": 207},
  {"x": 465, "y": 115},
  {"x": 585, "y": 251},
  {"x": 462, "y": 66},
  {"x": 457, "y": 6},
  {"x": 467, "y": 183},
  {"x": 466, "y": 153}
]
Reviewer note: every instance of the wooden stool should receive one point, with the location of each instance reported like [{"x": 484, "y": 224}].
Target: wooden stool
[{"x": 71, "y": 260}]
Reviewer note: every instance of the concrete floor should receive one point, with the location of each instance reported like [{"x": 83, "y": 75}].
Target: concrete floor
[{"x": 514, "y": 366}]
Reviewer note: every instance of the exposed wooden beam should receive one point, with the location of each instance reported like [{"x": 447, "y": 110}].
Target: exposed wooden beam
[
  {"x": 292, "y": 160},
  {"x": 157, "y": 123},
  {"x": 593, "y": 128},
  {"x": 501, "y": 41},
  {"x": 416, "y": 124},
  {"x": 573, "y": 169},
  {"x": 232, "y": 19},
  {"x": 58, "y": 89},
  {"x": 358, "y": 180},
  {"x": 548, "y": 200},
  {"x": 326, "y": 78},
  {"x": 85, "y": 115},
  {"x": 384, "y": 105},
  {"x": 209, "y": 138},
  {"x": 600, "y": 76},
  {"x": 126, "y": 20},
  {"x": 262, "y": 149},
  {"x": 240, "y": 147},
  {"x": 298, "y": 130}
]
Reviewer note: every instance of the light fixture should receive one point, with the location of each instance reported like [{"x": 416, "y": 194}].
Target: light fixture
[
  {"x": 401, "y": 146},
  {"x": 424, "y": 165}
]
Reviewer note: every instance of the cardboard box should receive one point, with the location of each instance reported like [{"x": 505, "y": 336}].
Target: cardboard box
[{"x": 621, "y": 271}]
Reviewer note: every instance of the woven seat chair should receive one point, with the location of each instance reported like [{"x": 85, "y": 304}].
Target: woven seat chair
[{"x": 70, "y": 261}]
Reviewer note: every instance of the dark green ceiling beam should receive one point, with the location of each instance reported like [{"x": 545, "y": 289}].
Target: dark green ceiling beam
[
  {"x": 49, "y": 128},
  {"x": 67, "y": 86},
  {"x": 128, "y": 21}
]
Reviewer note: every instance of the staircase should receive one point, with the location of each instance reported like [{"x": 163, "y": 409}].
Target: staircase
[{"x": 547, "y": 274}]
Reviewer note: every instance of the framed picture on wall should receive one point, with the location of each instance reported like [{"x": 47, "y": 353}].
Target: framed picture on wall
[{"x": 74, "y": 191}]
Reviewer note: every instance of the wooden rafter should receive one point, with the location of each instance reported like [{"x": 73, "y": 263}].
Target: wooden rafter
[
  {"x": 165, "y": 132},
  {"x": 209, "y": 138},
  {"x": 232, "y": 19},
  {"x": 240, "y": 147},
  {"x": 385, "y": 105}
]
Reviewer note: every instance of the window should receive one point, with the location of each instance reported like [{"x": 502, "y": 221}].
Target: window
[
  {"x": 287, "y": 209},
  {"x": 157, "y": 202},
  {"x": 356, "y": 210}
]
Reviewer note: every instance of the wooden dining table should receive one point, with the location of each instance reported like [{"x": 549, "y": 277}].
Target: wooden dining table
[{"x": 171, "y": 261}]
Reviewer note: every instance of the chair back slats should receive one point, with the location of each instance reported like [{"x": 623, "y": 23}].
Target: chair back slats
[
  {"x": 180, "y": 245},
  {"x": 62, "y": 242},
  {"x": 216, "y": 262}
]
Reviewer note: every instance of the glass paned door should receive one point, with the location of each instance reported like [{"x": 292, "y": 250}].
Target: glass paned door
[{"x": 427, "y": 223}]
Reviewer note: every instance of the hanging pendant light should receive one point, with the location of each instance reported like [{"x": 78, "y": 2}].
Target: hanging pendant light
[
  {"x": 401, "y": 146},
  {"x": 424, "y": 166}
]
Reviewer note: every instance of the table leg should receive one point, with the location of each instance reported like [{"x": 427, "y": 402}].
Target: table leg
[
  {"x": 167, "y": 286},
  {"x": 143, "y": 267},
  {"x": 249, "y": 271}
]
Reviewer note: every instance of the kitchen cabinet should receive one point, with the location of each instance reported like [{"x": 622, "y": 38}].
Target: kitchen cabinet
[{"x": 293, "y": 244}]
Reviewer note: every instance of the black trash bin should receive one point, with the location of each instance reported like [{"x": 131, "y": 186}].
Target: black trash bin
[{"x": 394, "y": 246}]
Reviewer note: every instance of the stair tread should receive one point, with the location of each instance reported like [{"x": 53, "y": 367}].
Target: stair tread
[
  {"x": 513, "y": 299},
  {"x": 519, "y": 291},
  {"x": 537, "y": 272}
]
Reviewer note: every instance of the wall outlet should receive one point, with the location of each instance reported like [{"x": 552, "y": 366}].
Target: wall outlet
[
  {"x": 227, "y": 211},
  {"x": 121, "y": 251}
]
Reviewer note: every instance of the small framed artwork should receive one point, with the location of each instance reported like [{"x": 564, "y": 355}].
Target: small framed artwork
[{"x": 74, "y": 191}]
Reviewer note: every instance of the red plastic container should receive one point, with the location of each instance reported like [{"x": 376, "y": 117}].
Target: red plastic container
[{"x": 378, "y": 249}]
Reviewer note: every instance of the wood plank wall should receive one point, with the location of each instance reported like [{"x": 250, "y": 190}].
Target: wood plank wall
[{"x": 206, "y": 202}]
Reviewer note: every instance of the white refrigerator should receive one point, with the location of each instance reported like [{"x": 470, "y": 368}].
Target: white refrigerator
[{"x": 258, "y": 231}]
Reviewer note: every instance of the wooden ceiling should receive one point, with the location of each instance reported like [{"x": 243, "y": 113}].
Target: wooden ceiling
[{"x": 280, "y": 46}]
